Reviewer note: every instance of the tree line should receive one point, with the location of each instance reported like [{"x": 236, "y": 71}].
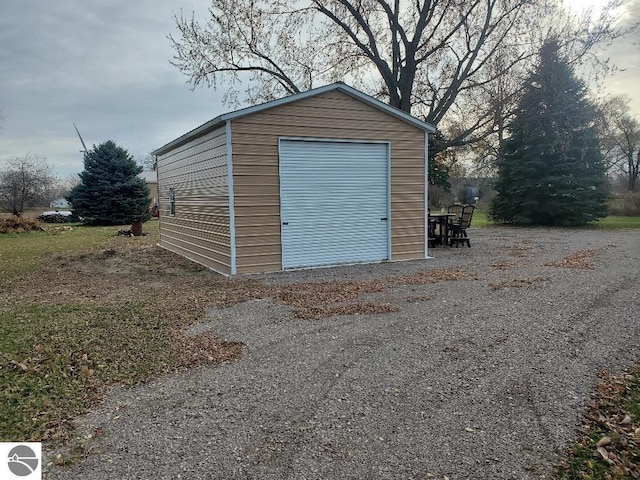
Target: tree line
[{"x": 107, "y": 192}]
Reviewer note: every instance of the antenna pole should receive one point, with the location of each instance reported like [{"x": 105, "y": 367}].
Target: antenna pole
[{"x": 80, "y": 137}]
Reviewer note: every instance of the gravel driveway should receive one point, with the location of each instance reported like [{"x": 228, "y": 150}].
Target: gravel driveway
[{"x": 478, "y": 378}]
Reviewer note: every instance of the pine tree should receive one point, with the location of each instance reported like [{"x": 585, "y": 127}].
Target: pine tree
[
  {"x": 551, "y": 170},
  {"x": 110, "y": 192}
]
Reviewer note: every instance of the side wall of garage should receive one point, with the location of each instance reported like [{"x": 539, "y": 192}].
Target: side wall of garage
[
  {"x": 199, "y": 228},
  {"x": 332, "y": 115}
]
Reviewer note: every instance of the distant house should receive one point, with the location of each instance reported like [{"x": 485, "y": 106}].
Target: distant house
[
  {"x": 151, "y": 178},
  {"x": 59, "y": 203}
]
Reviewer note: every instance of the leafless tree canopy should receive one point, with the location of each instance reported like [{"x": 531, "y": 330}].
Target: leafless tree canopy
[
  {"x": 620, "y": 138},
  {"x": 25, "y": 182},
  {"x": 455, "y": 63}
]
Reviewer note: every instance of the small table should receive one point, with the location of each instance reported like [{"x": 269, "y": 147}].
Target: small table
[{"x": 442, "y": 220}]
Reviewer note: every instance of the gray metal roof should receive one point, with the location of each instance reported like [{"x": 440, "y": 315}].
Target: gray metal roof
[{"x": 339, "y": 86}]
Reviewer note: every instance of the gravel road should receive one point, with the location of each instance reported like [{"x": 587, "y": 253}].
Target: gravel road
[{"x": 478, "y": 378}]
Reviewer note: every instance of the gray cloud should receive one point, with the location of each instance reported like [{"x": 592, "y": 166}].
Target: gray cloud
[
  {"x": 624, "y": 53},
  {"x": 103, "y": 65}
]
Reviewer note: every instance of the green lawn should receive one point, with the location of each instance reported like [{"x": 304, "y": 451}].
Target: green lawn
[
  {"x": 481, "y": 219},
  {"x": 613, "y": 221}
]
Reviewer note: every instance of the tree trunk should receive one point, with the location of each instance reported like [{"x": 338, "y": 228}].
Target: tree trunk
[{"x": 136, "y": 228}]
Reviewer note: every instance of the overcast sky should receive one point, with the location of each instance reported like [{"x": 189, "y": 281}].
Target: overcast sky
[
  {"x": 104, "y": 64},
  {"x": 101, "y": 64}
]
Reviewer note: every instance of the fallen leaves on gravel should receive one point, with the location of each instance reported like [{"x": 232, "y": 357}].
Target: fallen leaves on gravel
[
  {"x": 517, "y": 283},
  {"x": 429, "y": 276},
  {"x": 419, "y": 298},
  {"x": 305, "y": 294},
  {"x": 317, "y": 299},
  {"x": 205, "y": 348},
  {"x": 359, "y": 308},
  {"x": 506, "y": 265},
  {"x": 520, "y": 249},
  {"x": 581, "y": 259}
]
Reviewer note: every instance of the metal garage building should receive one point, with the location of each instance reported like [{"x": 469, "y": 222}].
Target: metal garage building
[{"x": 324, "y": 177}]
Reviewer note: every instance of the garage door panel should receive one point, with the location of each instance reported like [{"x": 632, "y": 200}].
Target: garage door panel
[{"x": 334, "y": 202}]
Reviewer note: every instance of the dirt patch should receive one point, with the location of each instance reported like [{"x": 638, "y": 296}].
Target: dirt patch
[{"x": 126, "y": 272}]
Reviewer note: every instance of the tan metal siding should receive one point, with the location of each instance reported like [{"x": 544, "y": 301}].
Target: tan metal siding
[
  {"x": 332, "y": 115},
  {"x": 199, "y": 230}
]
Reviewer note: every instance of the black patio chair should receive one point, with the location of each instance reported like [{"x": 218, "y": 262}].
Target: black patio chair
[
  {"x": 458, "y": 230},
  {"x": 431, "y": 230},
  {"x": 457, "y": 209}
]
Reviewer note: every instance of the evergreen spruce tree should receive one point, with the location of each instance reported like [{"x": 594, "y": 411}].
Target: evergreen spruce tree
[
  {"x": 551, "y": 170},
  {"x": 110, "y": 192}
]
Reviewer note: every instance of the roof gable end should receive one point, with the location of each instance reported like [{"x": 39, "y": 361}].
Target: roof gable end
[{"x": 338, "y": 86}]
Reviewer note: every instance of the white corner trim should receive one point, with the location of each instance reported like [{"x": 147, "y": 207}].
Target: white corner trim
[
  {"x": 426, "y": 194},
  {"x": 232, "y": 212}
]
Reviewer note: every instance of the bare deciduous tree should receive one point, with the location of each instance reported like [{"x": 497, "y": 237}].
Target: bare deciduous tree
[
  {"x": 435, "y": 59},
  {"x": 147, "y": 161},
  {"x": 25, "y": 182},
  {"x": 620, "y": 138}
]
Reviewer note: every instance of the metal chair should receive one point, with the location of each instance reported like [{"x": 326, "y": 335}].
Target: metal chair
[{"x": 458, "y": 229}]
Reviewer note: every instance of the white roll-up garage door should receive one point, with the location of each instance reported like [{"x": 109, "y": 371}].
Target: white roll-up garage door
[{"x": 334, "y": 199}]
